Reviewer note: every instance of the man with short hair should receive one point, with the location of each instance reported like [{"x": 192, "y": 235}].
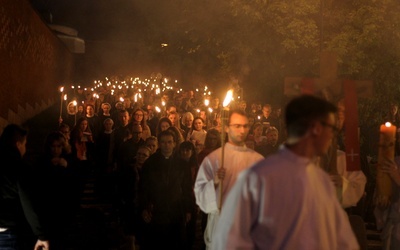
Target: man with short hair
[
  {"x": 211, "y": 176},
  {"x": 128, "y": 148},
  {"x": 266, "y": 118},
  {"x": 286, "y": 201},
  {"x": 165, "y": 196}
]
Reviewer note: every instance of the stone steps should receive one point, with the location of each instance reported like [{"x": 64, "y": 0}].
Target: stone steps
[{"x": 373, "y": 238}]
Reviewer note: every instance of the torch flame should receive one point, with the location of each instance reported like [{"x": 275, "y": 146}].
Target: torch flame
[{"x": 228, "y": 98}]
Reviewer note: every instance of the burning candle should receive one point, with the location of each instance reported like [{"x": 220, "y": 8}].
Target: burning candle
[
  {"x": 61, "y": 102},
  {"x": 387, "y": 140},
  {"x": 386, "y": 152}
]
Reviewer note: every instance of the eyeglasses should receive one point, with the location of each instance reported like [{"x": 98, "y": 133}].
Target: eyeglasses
[
  {"x": 333, "y": 127},
  {"x": 238, "y": 126}
]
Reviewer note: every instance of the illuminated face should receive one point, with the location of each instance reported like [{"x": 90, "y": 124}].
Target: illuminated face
[
  {"x": 83, "y": 126},
  {"x": 124, "y": 118},
  {"x": 106, "y": 109},
  {"x": 89, "y": 110},
  {"x": 272, "y": 137},
  {"x": 167, "y": 145},
  {"x": 243, "y": 105},
  {"x": 66, "y": 132},
  {"x": 258, "y": 131},
  {"x": 186, "y": 153},
  {"x": 136, "y": 132},
  {"x": 152, "y": 144},
  {"x": 164, "y": 126},
  {"x": 188, "y": 121},
  {"x": 56, "y": 148},
  {"x": 198, "y": 124},
  {"x": 22, "y": 146},
  {"x": 127, "y": 103},
  {"x": 203, "y": 115},
  {"x": 213, "y": 141},
  {"x": 327, "y": 132},
  {"x": 71, "y": 109},
  {"x": 237, "y": 129},
  {"x": 266, "y": 111},
  {"x": 173, "y": 118},
  {"x": 150, "y": 109},
  {"x": 142, "y": 155},
  {"x": 108, "y": 124},
  {"x": 138, "y": 116}
]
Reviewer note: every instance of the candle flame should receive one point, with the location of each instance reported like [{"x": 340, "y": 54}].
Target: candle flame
[
  {"x": 228, "y": 98},
  {"x": 388, "y": 124}
]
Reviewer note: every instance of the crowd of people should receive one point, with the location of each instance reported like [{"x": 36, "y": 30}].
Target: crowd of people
[{"x": 254, "y": 179}]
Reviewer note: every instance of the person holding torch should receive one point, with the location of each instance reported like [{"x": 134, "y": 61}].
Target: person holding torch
[{"x": 219, "y": 170}]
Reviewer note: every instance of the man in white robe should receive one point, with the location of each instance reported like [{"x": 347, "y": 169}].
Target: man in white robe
[
  {"x": 286, "y": 201},
  {"x": 237, "y": 157}
]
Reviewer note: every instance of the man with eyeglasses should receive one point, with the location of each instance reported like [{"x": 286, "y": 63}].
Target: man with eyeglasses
[
  {"x": 128, "y": 149},
  {"x": 287, "y": 201},
  {"x": 211, "y": 176}
]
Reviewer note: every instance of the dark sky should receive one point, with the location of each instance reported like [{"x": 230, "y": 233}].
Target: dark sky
[
  {"x": 119, "y": 39},
  {"x": 94, "y": 19},
  {"x": 111, "y": 30}
]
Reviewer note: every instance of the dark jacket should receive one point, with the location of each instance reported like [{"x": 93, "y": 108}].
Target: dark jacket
[
  {"x": 17, "y": 195},
  {"x": 166, "y": 189}
]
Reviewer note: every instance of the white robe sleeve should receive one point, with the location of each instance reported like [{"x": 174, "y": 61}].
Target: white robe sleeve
[
  {"x": 353, "y": 182},
  {"x": 204, "y": 188},
  {"x": 239, "y": 214}
]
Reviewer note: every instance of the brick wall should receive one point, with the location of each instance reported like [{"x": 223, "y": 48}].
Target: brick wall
[{"x": 33, "y": 63}]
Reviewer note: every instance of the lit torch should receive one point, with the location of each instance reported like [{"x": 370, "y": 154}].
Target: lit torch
[{"x": 224, "y": 118}]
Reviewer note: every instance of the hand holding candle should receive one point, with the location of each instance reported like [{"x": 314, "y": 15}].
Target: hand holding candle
[{"x": 386, "y": 153}]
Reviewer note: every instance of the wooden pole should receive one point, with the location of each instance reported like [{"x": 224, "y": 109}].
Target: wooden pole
[
  {"x": 221, "y": 182},
  {"x": 224, "y": 118}
]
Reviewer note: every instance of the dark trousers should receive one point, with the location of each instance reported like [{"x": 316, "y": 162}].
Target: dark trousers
[{"x": 163, "y": 236}]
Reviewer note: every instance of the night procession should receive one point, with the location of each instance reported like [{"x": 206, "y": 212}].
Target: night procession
[{"x": 187, "y": 125}]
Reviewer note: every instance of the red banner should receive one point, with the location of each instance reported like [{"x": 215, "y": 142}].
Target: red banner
[{"x": 307, "y": 86}]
